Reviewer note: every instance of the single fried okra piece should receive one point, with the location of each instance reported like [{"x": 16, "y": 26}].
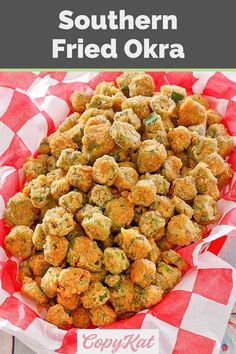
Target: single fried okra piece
[
  {"x": 96, "y": 295},
  {"x": 151, "y": 156},
  {"x": 103, "y": 315},
  {"x": 80, "y": 177},
  {"x": 81, "y": 317},
  {"x": 115, "y": 260},
  {"x": 141, "y": 85},
  {"x": 125, "y": 135},
  {"x": 171, "y": 168},
  {"x": 13, "y": 213},
  {"x": 19, "y": 241},
  {"x": 174, "y": 258},
  {"x": 139, "y": 104},
  {"x": 128, "y": 116},
  {"x": 58, "y": 317},
  {"x": 181, "y": 231},
  {"x": 143, "y": 192},
  {"x": 71, "y": 157},
  {"x": 143, "y": 272},
  {"x": 215, "y": 163},
  {"x": 179, "y": 139},
  {"x": 162, "y": 105},
  {"x": 120, "y": 211},
  {"x": 202, "y": 147},
  {"x": 39, "y": 237},
  {"x": 100, "y": 195},
  {"x": 105, "y": 170},
  {"x": 79, "y": 100},
  {"x": 205, "y": 209},
  {"x": 152, "y": 225},
  {"x": 38, "y": 264},
  {"x": 73, "y": 281},
  {"x": 85, "y": 253},
  {"x": 224, "y": 140},
  {"x": 126, "y": 178},
  {"x": 59, "y": 187},
  {"x": 32, "y": 291},
  {"x": 182, "y": 207},
  {"x": 100, "y": 101},
  {"x": 55, "y": 249},
  {"x": 191, "y": 112},
  {"x": 164, "y": 206},
  {"x": 49, "y": 282},
  {"x": 171, "y": 274},
  {"x": 72, "y": 201},
  {"x": 184, "y": 188},
  {"x": 58, "y": 222},
  {"x": 97, "y": 226},
  {"x": 134, "y": 244}
]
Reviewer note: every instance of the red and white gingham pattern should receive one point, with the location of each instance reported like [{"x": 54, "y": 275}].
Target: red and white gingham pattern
[{"x": 192, "y": 318}]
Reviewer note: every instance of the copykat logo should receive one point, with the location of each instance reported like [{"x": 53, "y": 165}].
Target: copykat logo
[{"x": 145, "y": 341}]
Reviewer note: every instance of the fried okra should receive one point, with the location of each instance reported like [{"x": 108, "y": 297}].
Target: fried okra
[
  {"x": 171, "y": 274},
  {"x": 184, "y": 188},
  {"x": 35, "y": 167},
  {"x": 58, "y": 222},
  {"x": 163, "y": 206},
  {"x": 73, "y": 281},
  {"x": 79, "y": 100},
  {"x": 191, "y": 112},
  {"x": 81, "y": 317},
  {"x": 174, "y": 258},
  {"x": 125, "y": 135},
  {"x": 38, "y": 264},
  {"x": 115, "y": 260},
  {"x": 126, "y": 177},
  {"x": 224, "y": 140},
  {"x": 49, "y": 282},
  {"x": 162, "y": 105},
  {"x": 139, "y": 104},
  {"x": 142, "y": 272},
  {"x": 215, "y": 163},
  {"x": 202, "y": 147},
  {"x": 96, "y": 295},
  {"x": 57, "y": 316},
  {"x": 120, "y": 211},
  {"x": 24, "y": 271},
  {"x": 71, "y": 157},
  {"x": 84, "y": 253},
  {"x": 151, "y": 156},
  {"x": 105, "y": 170},
  {"x": 122, "y": 295},
  {"x": 100, "y": 195},
  {"x": 19, "y": 241},
  {"x": 182, "y": 207},
  {"x": 97, "y": 226},
  {"x": 152, "y": 225},
  {"x": 205, "y": 210},
  {"x": 59, "y": 188},
  {"x": 128, "y": 116},
  {"x": 141, "y": 85},
  {"x": 179, "y": 139},
  {"x": 55, "y": 249},
  {"x": 32, "y": 291},
  {"x": 171, "y": 168},
  {"x": 134, "y": 244},
  {"x": 13, "y": 214},
  {"x": 39, "y": 237},
  {"x": 206, "y": 182},
  {"x": 80, "y": 177},
  {"x": 71, "y": 201},
  {"x": 181, "y": 231},
  {"x": 103, "y": 315},
  {"x": 97, "y": 140},
  {"x": 143, "y": 193},
  {"x": 40, "y": 191}
]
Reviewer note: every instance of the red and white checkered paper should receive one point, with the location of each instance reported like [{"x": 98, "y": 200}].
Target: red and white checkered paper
[{"x": 193, "y": 317}]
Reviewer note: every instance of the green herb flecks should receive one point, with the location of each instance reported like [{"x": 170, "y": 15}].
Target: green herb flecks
[
  {"x": 177, "y": 97},
  {"x": 152, "y": 118}
]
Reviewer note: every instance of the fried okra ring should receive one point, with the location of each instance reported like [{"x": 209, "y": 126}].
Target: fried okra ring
[
  {"x": 134, "y": 244},
  {"x": 120, "y": 211},
  {"x": 224, "y": 178},
  {"x": 84, "y": 253},
  {"x": 125, "y": 135},
  {"x": 128, "y": 116},
  {"x": 59, "y": 187},
  {"x": 105, "y": 170},
  {"x": 152, "y": 225},
  {"x": 181, "y": 231},
  {"x": 171, "y": 168},
  {"x": 97, "y": 226},
  {"x": 69, "y": 303},
  {"x": 103, "y": 315},
  {"x": 115, "y": 260},
  {"x": 40, "y": 191},
  {"x": 162, "y": 185},
  {"x": 171, "y": 274},
  {"x": 24, "y": 271},
  {"x": 106, "y": 88},
  {"x": 55, "y": 249},
  {"x": 143, "y": 193},
  {"x": 71, "y": 157},
  {"x": 69, "y": 122},
  {"x": 49, "y": 282},
  {"x": 213, "y": 117},
  {"x": 73, "y": 281},
  {"x": 205, "y": 210},
  {"x": 124, "y": 80},
  {"x": 179, "y": 139},
  {"x": 126, "y": 177},
  {"x": 34, "y": 167},
  {"x": 96, "y": 295},
  {"x": 58, "y": 142},
  {"x": 142, "y": 272},
  {"x": 141, "y": 85},
  {"x": 151, "y": 156},
  {"x": 174, "y": 91},
  {"x": 191, "y": 112},
  {"x": 122, "y": 295},
  {"x": 79, "y": 100},
  {"x": 13, "y": 213},
  {"x": 38, "y": 264},
  {"x": 32, "y": 291},
  {"x": 215, "y": 163},
  {"x": 224, "y": 140},
  {"x": 184, "y": 188},
  {"x": 139, "y": 104},
  {"x": 181, "y": 207},
  {"x": 206, "y": 182},
  {"x": 174, "y": 258},
  {"x": 80, "y": 177},
  {"x": 101, "y": 102},
  {"x": 39, "y": 237},
  {"x": 100, "y": 195},
  {"x": 202, "y": 147},
  {"x": 81, "y": 317},
  {"x": 58, "y": 222},
  {"x": 19, "y": 241},
  {"x": 72, "y": 201},
  {"x": 162, "y": 105},
  {"x": 163, "y": 206},
  {"x": 57, "y": 316},
  {"x": 97, "y": 140}
]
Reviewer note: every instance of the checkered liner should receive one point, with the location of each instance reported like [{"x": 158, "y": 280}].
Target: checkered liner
[{"x": 193, "y": 317}]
